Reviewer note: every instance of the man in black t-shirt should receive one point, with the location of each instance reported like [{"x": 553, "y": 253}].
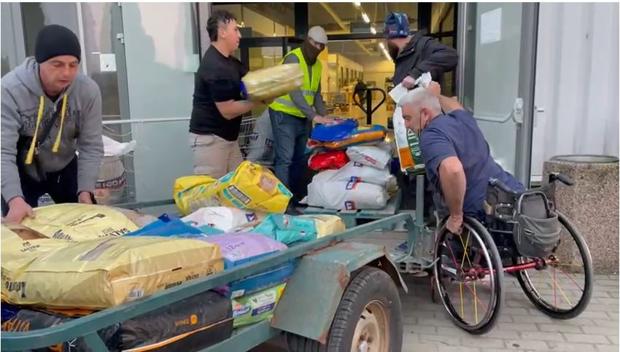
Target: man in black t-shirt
[{"x": 218, "y": 105}]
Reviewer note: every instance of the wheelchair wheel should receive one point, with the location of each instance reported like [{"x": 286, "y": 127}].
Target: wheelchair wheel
[
  {"x": 469, "y": 276},
  {"x": 561, "y": 284}
]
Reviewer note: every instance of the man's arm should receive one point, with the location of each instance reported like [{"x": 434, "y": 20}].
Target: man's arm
[
  {"x": 441, "y": 160},
  {"x": 297, "y": 96},
  {"x": 438, "y": 59},
  {"x": 447, "y": 104},
  {"x": 231, "y": 109},
  {"x": 453, "y": 184},
  {"x": 11, "y": 124},
  {"x": 319, "y": 104},
  {"x": 89, "y": 143}
]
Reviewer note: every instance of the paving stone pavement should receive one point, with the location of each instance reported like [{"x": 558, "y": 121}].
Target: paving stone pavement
[{"x": 520, "y": 326}]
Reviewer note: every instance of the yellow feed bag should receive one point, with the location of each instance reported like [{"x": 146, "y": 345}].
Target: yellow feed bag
[
  {"x": 103, "y": 273},
  {"x": 250, "y": 186},
  {"x": 272, "y": 82},
  {"x": 19, "y": 248},
  {"x": 326, "y": 224},
  {"x": 191, "y": 193},
  {"x": 253, "y": 187},
  {"x": 79, "y": 222}
]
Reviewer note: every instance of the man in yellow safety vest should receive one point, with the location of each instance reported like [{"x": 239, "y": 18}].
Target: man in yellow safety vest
[{"x": 292, "y": 114}]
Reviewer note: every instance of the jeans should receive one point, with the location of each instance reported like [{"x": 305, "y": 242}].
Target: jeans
[
  {"x": 60, "y": 185},
  {"x": 290, "y": 135}
]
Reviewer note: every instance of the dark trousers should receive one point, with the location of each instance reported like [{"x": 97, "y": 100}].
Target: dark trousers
[
  {"x": 290, "y": 134},
  {"x": 60, "y": 185}
]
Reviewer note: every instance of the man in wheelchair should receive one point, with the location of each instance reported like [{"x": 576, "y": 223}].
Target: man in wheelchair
[
  {"x": 456, "y": 155},
  {"x": 517, "y": 231}
]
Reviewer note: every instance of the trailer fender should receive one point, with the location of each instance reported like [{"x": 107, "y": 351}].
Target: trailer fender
[{"x": 313, "y": 293}]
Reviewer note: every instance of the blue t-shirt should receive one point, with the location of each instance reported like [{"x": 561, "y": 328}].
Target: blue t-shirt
[{"x": 457, "y": 134}]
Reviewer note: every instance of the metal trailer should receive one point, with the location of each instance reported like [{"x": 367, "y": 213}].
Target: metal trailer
[{"x": 356, "y": 301}]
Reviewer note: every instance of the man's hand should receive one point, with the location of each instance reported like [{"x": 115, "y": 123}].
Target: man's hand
[
  {"x": 18, "y": 210},
  {"x": 324, "y": 120},
  {"x": 434, "y": 88},
  {"x": 408, "y": 82},
  {"x": 85, "y": 198},
  {"x": 455, "y": 223}
]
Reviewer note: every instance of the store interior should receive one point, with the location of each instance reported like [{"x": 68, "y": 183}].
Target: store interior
[{"x": 356, "y": 50}]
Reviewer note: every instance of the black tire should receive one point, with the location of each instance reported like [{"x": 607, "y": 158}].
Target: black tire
[
  {"x": 497, "y": 294},
  {"x": 547, "y": 307},
  {"x": 369, "y": 286}
]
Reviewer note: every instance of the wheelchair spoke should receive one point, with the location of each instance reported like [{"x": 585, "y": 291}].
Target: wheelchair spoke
[
  {"x": 559, "y": 288},
  {"x": 475, "y": 304},
  {"x": 571, "y": 278}
]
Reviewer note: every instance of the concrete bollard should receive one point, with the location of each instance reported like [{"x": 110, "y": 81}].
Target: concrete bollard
[{"x": 591, "y": 204}]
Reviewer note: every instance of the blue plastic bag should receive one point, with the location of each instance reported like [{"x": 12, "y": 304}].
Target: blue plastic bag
[
  {"x": 333, "y": 133},
  {"x": 167, "y": 226}
]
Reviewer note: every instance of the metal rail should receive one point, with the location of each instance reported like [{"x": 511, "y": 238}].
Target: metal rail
[{"x": 88, "y": 326}]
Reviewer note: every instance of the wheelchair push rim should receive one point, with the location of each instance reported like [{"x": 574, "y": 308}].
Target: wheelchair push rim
[{"x": 469, "y": 277}]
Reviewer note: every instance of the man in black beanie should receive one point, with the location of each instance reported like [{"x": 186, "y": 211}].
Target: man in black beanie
[{"x": 49, "y": 112}]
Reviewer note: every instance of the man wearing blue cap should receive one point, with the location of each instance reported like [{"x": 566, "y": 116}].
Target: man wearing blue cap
[{"x": 415, "y": 54}]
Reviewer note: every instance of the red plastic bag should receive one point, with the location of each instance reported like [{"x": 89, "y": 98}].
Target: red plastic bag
[{"x": 333, "y": 159}]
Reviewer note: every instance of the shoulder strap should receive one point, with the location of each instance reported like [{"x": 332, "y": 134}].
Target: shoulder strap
[{"x": 48, "y": 128}]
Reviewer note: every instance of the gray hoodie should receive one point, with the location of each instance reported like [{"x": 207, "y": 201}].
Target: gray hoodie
[{"x": 81, "y": 132}]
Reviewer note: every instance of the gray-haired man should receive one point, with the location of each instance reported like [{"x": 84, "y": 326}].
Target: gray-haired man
[{"x": 456, "y": 155}]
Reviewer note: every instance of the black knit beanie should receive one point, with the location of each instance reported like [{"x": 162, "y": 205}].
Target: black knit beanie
[{"x": 55, "y": 40}]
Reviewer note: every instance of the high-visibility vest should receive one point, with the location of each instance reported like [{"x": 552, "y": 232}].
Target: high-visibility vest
[{"x": 308, "y": 89}]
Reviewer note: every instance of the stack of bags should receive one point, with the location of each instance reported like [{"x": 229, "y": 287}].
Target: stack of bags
[
  {"x": 74, "y": 259},
  {"x": 71, "y": 260},
  {"x": 354, "y": 168},
  {"x": 250, "y": 186}
]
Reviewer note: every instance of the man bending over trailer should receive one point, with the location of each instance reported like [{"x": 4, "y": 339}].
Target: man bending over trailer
[{"x": 456, "y": 155}]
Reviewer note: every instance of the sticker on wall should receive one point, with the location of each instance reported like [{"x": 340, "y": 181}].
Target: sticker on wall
[
  {"x": 107, "y": 62},
  {"x": 491, "y": 26}
]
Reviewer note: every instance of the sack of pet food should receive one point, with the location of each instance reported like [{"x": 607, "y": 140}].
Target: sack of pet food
[
  {"x": 376, "y": 156},
  {"x": 329, "y": 160},
  {"x": 272, "y": 82},
  {"x": 326, "y": 224},
  {"x": 241, "y": 248},
  {"x": 253, "y": 187},
  {"x": 353, "y": 171},
  {"x": 98, "y": 274},
  {"x": 362, "y": 135},
  {"x": 79, "y": 222},
  {"x": 194, "y": 192},
  {"x": 343, "y": 195},
  {"x": 287, "y": 229},
  {"x": 256, "y": 307},
  {"x": 225, "y": 219}
]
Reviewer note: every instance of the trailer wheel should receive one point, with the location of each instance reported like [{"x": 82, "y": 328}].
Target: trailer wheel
[{"x": 368, "y": 318}]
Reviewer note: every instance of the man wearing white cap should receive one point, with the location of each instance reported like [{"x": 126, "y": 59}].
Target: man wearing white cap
[{"x": 292, "y": 114}]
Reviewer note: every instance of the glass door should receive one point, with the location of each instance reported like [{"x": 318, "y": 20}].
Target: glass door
[{"x": 496, "y": 46}]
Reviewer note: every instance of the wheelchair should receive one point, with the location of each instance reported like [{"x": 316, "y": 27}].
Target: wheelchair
[{"x": 553, "y": 267}]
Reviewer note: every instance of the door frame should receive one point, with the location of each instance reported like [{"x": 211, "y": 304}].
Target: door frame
[{"x": 526, "y": 86}]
